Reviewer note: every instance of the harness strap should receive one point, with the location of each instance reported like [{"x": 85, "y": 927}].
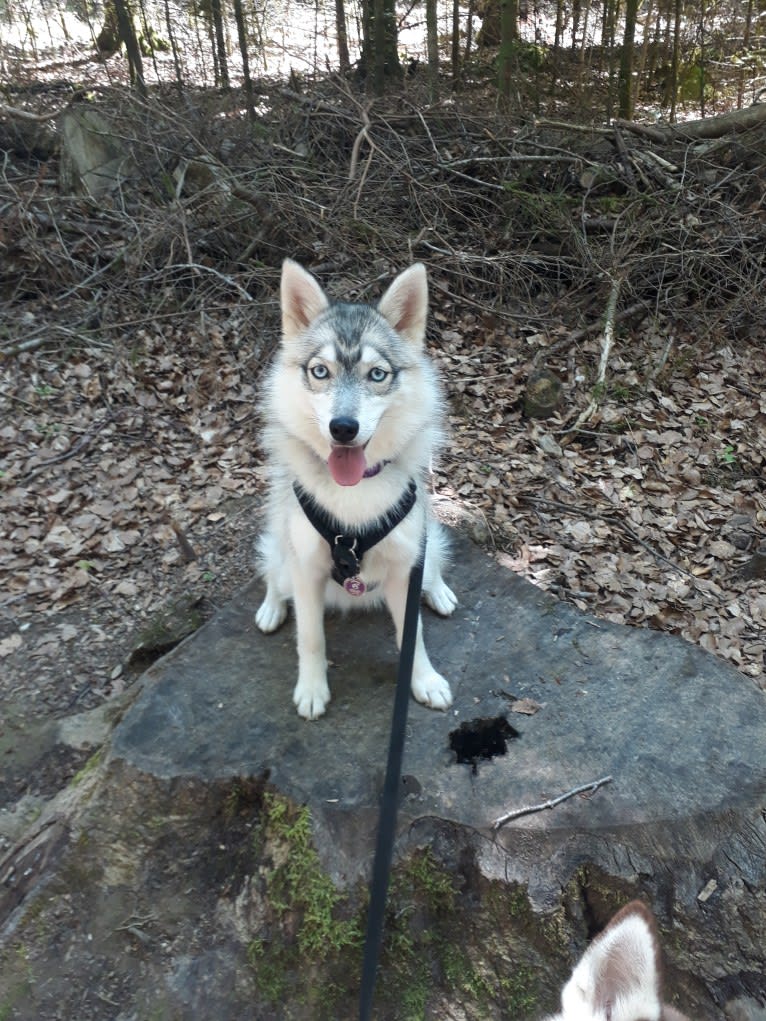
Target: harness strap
[{"x": 348, "y": 547}]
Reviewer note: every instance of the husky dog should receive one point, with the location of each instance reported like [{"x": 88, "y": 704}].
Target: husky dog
[
  {"x": 618, "y": 977},
  {"x": 353, "y": 414}
]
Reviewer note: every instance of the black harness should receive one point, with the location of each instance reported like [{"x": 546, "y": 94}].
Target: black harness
[{"x": 346, "y": 547}]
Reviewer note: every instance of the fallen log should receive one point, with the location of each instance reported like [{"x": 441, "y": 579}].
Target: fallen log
[{"x": 733, "y": 122}]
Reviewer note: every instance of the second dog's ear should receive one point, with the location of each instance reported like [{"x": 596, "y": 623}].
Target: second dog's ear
[
  {"x": 619, "y": 970},
  {"x": 405, "y": 303},
  {"x": 302, "y": 299}
]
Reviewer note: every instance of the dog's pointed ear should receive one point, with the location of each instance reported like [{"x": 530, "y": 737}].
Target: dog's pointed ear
[
  {"x": 405, "y": 303},
  {"x": 302, "y": 299},
  {"x": 618, "y": 971}
]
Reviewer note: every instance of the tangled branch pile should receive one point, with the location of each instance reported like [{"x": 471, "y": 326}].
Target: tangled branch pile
[{"x": 532, "y": 221}]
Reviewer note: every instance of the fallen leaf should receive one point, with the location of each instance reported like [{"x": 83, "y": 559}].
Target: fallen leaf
[
  {"x": 10, "y": 644},
  {"x": 525, "y": 706}
]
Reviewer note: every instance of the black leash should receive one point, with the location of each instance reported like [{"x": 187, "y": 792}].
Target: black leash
[
  {"x": 347, "y": 551},
  {"x": 384, "y": 848}
]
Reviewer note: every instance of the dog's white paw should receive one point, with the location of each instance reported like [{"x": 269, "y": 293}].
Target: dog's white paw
[
  {"x": 271, "y": 614},
  {"x": 440, "y": 598},
  {"x": 311, "y": 700},
  {"x": 432, "y": 690}
]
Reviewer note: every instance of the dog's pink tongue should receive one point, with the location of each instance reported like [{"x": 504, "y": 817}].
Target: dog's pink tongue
[{"x": 347, "y": 465}]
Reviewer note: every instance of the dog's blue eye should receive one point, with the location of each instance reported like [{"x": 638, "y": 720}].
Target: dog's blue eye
[
  {"x": 378, "y": 375},
  {"x": 319, "y": 371}
]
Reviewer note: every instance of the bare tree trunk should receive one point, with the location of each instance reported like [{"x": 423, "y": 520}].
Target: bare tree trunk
[
  {"x": 557, "y": 37},
  {"x": 239, "y": 17},
  {"x": 653, "y": 40},
  {"x": 392, "y": 66},
  {"x": 365, "y": 57},
  {"x": 382, "y": 55},
  {"x": 675, "y": 60},
  {"x": 611, "y": 13},
  {"x": 379, "y": 50},
  {"x": 455, "y": 48},
  {"x": 509, "y": 34},
  {"x": 576, "y": 8},
  {"x": 216, "y": 13},
  {"x": 432, "y": 46},
  {"x": 559, "y": 31},
  {"x": 585, "y": 26},
  {"x": 669, "y": 9},
  {"x": 703, "y": 58},
  {"x": 173, "y": 47},
  {"x": 127, "y": 34},
  {"x": 625, "y": 86},
  {"x": 213, "y": 47},
  {"x": 585, "y": 13},
  {"x": 745, "y": 47},
  {"x": 641, "y": 77},
  {"x": 379, "y": 60},
  {"x": 469, "y": 31},
  {"x": 746, "y": 36},
  {"x": 344, "y": 60}
]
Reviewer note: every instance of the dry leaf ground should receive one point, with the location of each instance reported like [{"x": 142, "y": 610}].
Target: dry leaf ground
[{"x": 650, "y": 515}]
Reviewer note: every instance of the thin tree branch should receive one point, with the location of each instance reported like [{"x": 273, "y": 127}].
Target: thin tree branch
[
  {"x": 606, "y": 350},
  {"x": 529, "y": 809}
]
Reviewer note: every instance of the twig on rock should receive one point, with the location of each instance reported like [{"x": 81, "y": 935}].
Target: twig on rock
[{"x": 529, "y": 809}]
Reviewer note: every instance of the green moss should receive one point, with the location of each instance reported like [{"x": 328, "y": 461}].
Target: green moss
[
  {"x": 307, "y": 954},
  {"x": 270, "y": 968},
  {"x": 515, "y": 988},
  {"x": 299, "y": 884},
  {"x": 15, "y": 967},
  {"x": 315, "y": 932},
  {"x": 92, "y": 764},
  {"x": 424, "y": 877},
  {"x": 518, "y": 992},
  {"x": 427, "y": 929}
]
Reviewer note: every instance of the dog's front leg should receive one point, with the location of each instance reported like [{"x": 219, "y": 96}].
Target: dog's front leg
[
  {"x": 312, "y": 692},
  {"x": 428, "y": 686}
]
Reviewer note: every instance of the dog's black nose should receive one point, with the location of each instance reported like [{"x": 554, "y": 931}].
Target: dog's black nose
[{"x": 344, "y": 429}]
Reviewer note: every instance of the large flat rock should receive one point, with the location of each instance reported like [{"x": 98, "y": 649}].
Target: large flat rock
[
  {"x": 156, "y": 884},
  {"x": 682, "y": 734}
]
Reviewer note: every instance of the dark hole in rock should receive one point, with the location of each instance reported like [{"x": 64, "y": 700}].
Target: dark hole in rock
[{"x": 481, "y": 739}]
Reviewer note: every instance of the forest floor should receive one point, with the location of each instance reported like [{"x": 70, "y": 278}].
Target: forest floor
[{"x": 131, "y": 475}]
